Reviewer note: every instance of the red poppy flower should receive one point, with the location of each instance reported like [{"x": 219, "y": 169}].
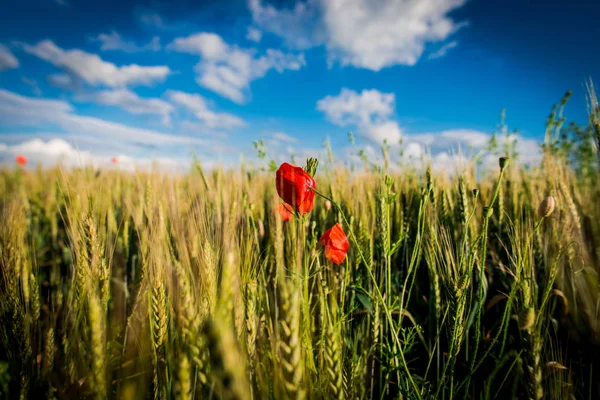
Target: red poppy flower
[
  {"x": 285, "y": 211},
  {"x": 21, "y": 160},
  {"x": 336, "y": 244},
  {"x": 294, "y": 186},
  {"x": 114, "y": 160}
]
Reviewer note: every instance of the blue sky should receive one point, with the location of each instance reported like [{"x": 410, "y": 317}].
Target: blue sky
[{"x": 83, "y": 81}]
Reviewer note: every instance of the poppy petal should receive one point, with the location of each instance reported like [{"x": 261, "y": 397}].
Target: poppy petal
[
  {"x": 285, "y": 212},
  {"x": 294, "y": 186},
  {"x": 336, "y": 244}
]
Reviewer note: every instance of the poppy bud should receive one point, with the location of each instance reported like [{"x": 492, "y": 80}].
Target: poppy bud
[
  {"x": 546, "y": 207},
  {"x": 311, "y": 166},
  {"x": 527, "y": 319},
  {"x": 503, "y": 161},
  {"x": 488, "y": 211},
  {"x": 336, "y": 244}
]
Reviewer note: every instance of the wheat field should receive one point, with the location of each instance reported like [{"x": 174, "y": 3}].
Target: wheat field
[{"x": 143, "y": 285}]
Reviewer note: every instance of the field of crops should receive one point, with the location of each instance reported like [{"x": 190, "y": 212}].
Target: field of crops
[{"x": 148, "y": 285}]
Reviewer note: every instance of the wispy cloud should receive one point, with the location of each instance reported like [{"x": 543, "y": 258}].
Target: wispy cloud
[
  {"x": 253, "y": 34},
  {"x": 62, "y": 81},
  {"x": 228, "y": 70},
  {"x": 282, "y": 137},
  {"x": 7, "y": 59},
  {"x": 114, "y": 41},
  {"x": 441, "y": 52},
  {"x": 152, "y": 19},
  {"x": 131, "y": 102},
  {"x": 91, "y": 69},
  {"x": 33, "y": 84},
  {"x": 301, "y": 26},
  {"x": 20, "y": 110},
  {"x": 199, "y": 107}
]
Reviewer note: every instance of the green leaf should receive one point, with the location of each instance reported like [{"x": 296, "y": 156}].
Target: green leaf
[{"x": 365, "y": 301}]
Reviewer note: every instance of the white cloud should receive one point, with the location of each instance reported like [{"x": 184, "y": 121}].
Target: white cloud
[
  {"x": 169, "y": 164},
  {"x": 300, "y": 27},
  {"x": 389, "y": 33},
  {"x": 384, "y": 131},
  {"x": 33, "y": 84},
  {"x": 114, "y": 41},
  {"x": 296, "y": 154},
  {"x": 413, "y": 150},
  {"x": 441, "y": 52},
  {"x": 254, "y": 34},
  {"x": 93, "y": 70},
  {"x": 54, "y": 147},
  {"x": 196, "y": 127},
  {"x": 371, "y": 111},
  {"x": 7, "y": 59},
  {"x": 14, "y": 107},
  {"x": 228, "y": 70},
  {"x": 528, "y": 150},
  {"x": 59, "y": 151},
  {"x": 207, "y": 45},
  {"x": 414, "y": 156},
  {"x": 280, "y": 61},
  {"x": 465, "y": 138},
  {"x": 152, "y": 19},
  {"x": 361, "y": 33},
  {"x": 199, "y": 107},
  {"x": 282, "y": 137},
  {"x": 26, "y": 111},
  {"x": 48, "y": 153},
  {"x": 453, "y": 148},
  {"x": 62, "y": 81},
  {"x": 350, "y": 107},
  {"x": 445, "y": 162},
  {"x": 132, "y": 103}
]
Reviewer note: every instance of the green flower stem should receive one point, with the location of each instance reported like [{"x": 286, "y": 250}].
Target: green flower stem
[
  {"x": 377, "y": 291},
  {"x": 486, "y": 221}
]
